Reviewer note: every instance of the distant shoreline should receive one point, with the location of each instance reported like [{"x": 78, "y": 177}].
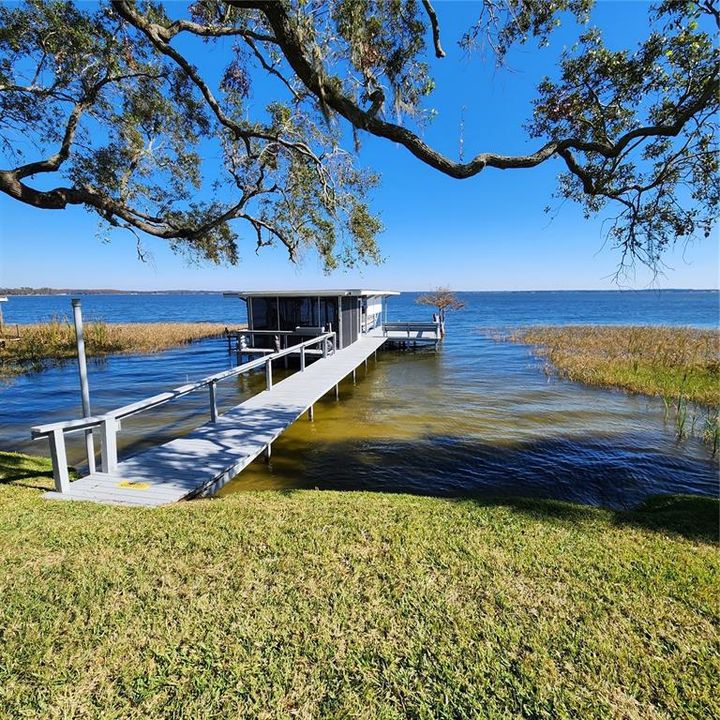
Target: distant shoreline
[
  {"x": 52, "y": 292},
  {"x": 61, "y": 292}
]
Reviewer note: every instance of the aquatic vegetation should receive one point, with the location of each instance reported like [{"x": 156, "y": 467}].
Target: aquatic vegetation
[
  {"x": 36, "y": 345},
  {"x": 679, "y": 364},
  {"x": 670, "y": 362},
  {"x": 315, "y": 604},
  {"x": 711, "y": 431}
]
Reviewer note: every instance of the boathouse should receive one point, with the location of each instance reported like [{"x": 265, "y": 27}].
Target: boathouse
[{"x": 294, "y": 315}]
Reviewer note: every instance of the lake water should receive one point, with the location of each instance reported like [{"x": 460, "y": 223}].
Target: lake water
[{"x": 477, "y": 417}]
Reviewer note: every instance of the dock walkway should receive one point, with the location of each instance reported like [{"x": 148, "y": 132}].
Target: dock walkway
[{"x": 203, "y": 461}]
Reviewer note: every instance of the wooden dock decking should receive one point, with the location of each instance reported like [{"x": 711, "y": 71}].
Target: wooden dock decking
[{"x": 203, "y": 461}]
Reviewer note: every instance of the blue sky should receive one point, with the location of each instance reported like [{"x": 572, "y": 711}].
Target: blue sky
[{"x": 486, "y": 233}]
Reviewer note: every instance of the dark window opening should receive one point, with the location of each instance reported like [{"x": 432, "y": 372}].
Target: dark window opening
[
  {"x": 298, "y": 312},
  {"x": 328, "y": 313},
  {"x": 264, "y": 313}
]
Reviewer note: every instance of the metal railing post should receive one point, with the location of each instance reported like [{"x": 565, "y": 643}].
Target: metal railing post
[
  {"x": 325, "y": 347},
  {"x": 108, "y": 440},
  {"x": 213, "y": 401},
  {"x": 59, "y": 461},
  {"x": 268, "y": 374},
  {"x": 84, "y": 388},
  {"x": 302, "y": 359}
]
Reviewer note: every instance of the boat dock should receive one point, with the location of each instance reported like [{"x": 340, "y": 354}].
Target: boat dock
[
  {"x": 201, "y": 462},
  {"x": 327, "y": 334}
]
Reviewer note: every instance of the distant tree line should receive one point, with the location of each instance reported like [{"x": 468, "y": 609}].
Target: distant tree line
[{"x": 100, "y": 291}]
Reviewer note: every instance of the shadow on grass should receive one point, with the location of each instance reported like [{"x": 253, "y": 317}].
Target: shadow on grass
[
  {"x": 693, "y": 517},
  {"x": 574, "y": 481},
  {"x": 565, "y": 480},
  {"x": 26, "y": 471}
]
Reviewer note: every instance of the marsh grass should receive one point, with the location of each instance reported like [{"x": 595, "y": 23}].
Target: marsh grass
[
  {"x": 313, "y": 604},
  {"x": 680, "y": 365},
  {"x": 711, "y": 431},
  {"x": 671, "y": 362},
  {"x": 45, "y": 343}
]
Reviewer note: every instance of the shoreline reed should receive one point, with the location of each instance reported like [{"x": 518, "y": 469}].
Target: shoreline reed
[{"x": 38, "y": 345}]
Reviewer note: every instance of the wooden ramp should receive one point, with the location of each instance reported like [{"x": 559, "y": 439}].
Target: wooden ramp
[{"x": 203, "y": 461}]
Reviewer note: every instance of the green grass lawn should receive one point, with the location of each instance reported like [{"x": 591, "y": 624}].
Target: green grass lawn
[{"x": 354, "y": 605}]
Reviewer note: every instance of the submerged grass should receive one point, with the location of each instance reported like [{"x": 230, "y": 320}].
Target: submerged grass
[
  {"x": 315, "y": 604},
  {"x": 40, "y": 344}
]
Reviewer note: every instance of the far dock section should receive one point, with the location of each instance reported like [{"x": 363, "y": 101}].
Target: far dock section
[
  {"x": 409, "y": 334},
  {"x": 203, "y": 461}
]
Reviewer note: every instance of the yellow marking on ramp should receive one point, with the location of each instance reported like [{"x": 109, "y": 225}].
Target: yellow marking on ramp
[{"x": 134, "y": 485}]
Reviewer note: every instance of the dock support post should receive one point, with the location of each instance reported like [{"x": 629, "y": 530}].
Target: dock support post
[
  {"x": 108, "y": 441},
  {"x": 337, "y": 391},
  {"x": 302, "y": 359},
  {"x": 268, "y": 452},
  {"x": 366, "y": 366},
  {"x": 354, "y": 372},
  {"x": 59, "y": 461},
  {"x": 311, "y": 413},
  {"x": 268, "y": 374},
  {"x": 213, "y": 401}
]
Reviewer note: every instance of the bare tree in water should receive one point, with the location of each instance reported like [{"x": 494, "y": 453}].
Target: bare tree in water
[{"x": 443, "y": 299}]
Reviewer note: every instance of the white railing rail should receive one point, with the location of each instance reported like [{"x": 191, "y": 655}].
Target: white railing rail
[
  {"x": 414, "y": 330},
  {"x": 108, "y": 424}
]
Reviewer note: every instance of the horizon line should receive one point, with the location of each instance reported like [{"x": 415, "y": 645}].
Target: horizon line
[{"x": 15, "y": 291}]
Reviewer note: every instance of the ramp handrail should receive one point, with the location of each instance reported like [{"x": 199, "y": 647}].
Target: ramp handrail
[{"x": 108, "y": 423}]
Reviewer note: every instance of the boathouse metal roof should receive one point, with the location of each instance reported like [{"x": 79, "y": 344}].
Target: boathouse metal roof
[{"x": 310, "y": 293}]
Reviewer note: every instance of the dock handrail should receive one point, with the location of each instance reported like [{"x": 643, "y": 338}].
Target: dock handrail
[
  {"x": 109, "y": 423},
  {"x": 414, "y": 327}
]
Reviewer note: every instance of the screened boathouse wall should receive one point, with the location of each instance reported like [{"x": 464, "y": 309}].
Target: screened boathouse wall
[{"x": 289, "y": 313}]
